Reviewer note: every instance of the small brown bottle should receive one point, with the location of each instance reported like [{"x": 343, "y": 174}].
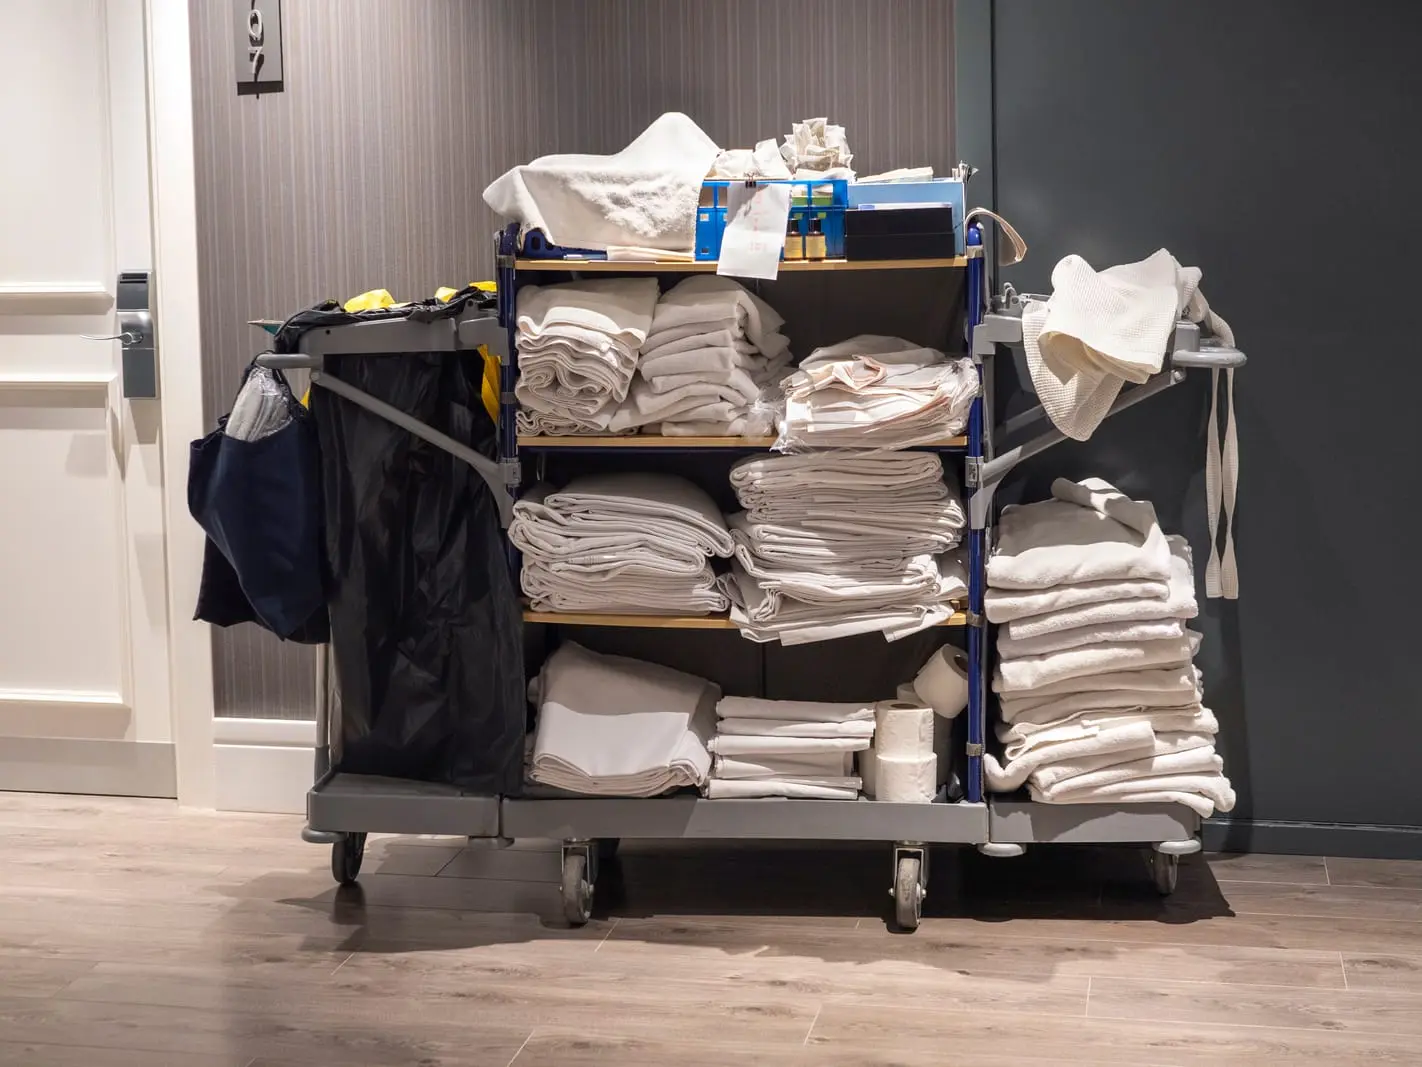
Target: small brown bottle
[
  {"x": 794, "y": 243},
  {"x": 815, "y": 240}
]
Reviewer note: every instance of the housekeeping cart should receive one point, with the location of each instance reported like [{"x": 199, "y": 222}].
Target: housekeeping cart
[{"x": 343, "y": 808}]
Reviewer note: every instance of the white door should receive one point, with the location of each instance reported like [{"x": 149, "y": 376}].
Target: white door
[{"x": 85, "y": 700}]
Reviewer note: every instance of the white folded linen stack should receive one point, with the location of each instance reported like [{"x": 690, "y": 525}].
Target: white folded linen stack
[
  {"x": 839, "y": 543},
  {"x": 872, "y": 391},
  {"x": 622, "y": 544},
  {"x": 577, "y": 351},
  {"x": 709, "y": 365},
  {"x": 613, "y": 726},
  {"x": 1100, "y": 700},
  {"x": 788, "y": 748}
]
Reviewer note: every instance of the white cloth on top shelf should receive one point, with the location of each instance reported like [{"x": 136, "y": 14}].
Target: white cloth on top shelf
[
  {"x": 1005, "y": 605},
  {"x": 793, "y": 728},
  {"x": 1031, "y": 672},
  {"x": 876, "y": 391},
  {"x": 577, "y": 347},
  {"x": 1089, "y": 532},
  {"x": 802, "y": 710},
  {"x": 644, "y": 196},
  {"x": 796, "y": 789},
  {"x": 824, "y": 765},
  {"x": 1009, "y": 647},
  {"x": 622, "y": 544},
  {"x": 612, "y": 726},
  {"x": 767, "y": 747},
  {"x": 1178, "y": 603}
]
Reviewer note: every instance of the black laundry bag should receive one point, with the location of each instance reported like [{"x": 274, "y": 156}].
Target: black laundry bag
[
  {"x": 260, "y": 504},
  {"x": 425, "y": 621}
]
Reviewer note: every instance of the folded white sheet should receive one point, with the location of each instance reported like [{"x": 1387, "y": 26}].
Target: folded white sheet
[
  {"x": 1084, "y": 742},
  {"x": 784, "y": 746},
  {"x": 639, "y": 497},
  {"x": 1089, "y": 532},
  {"x": 1009, "y": 647},
  {"x": 1032, "y": 672},
  {"x": 824, "y": 765},
  {"x": 793, "y": 728},
  {"x": 644, "y": 196},
  {"x": 613, "y": 726},
  {"x": 1004, "y": 605},
  {"x": 790, "y": 788},
  {"x": 801, "y": 710}
]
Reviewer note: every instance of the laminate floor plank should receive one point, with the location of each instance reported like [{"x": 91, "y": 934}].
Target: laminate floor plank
[
  {"x": 1288, "y": 870},
  {"x": 1379, "y": 874}
]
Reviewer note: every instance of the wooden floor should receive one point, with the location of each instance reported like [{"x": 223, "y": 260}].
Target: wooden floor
[{"x": 134, "y": 934}]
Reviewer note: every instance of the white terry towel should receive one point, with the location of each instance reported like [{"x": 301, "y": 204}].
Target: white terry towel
[
  {"x": 1173, "y": 753},
  {"x": 637, "y": 497},
  {"x": 1021, "y": 738},
  {"x": 619, "y": 309},
  {"x": 825, "y": 765},
  {"x": 1057, "y": 709},
  {"x": 713, "y": 299},
  {"x": 766, "y": 747},
  {"x": 790, "y": 788},
  {"x": 1004, "y": 605},
  {"x": 791, "y": 728},
  {"x": 645, "y": 196},
  {"x": 613, "y": 726},
  {"x": 1179, "y": 603},
  {"x": 1087, "y": 741},
  {"x": 1009, "y": 647},
  {"x": 1205, "y": 793},
  {"x": 802, "y": 710},
  {"x": 1090, "y": 531},
  {"x": 1032, "y": 672}
]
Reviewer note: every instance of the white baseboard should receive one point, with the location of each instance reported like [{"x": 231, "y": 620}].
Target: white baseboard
[{"x": 263, "y": 764}]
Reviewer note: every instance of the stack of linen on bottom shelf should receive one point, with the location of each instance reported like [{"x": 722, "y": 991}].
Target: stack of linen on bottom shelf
[
  {"x": 622, "y": 544},
  {"x": 577, "y": 351},
  {"x": 788, "y": 748},
  {"x": 709, "y": 364},
  {"x": 613, "y": 726},
  {"x": 1100, "y": 700},
  {"x": 839, "y": 543},
  {"x": 873, "y": 391}
]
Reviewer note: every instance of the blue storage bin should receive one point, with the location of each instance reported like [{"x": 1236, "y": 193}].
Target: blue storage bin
[{"x": 824, "y": 197}]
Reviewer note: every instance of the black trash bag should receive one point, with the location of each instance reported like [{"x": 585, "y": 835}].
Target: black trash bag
[
  {"x": 260, "y": 504},
  {"x": 425, "y": 621}
]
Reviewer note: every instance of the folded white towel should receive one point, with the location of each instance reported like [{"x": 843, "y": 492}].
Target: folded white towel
[
  {"x": 796, "y": 789},
  {"x": 641, "y": 496},
  {"x": 1171, "y": 754},
  {"x": 824, "y": 765},
  {"x": 1087, "y": 741},
  {"x": 1032, "y": 672},
  {"x": 711, "y": 298},
  {"x": 1004, "y": 605},
  {"x": 610, "y": 725},
  {"x": 792, "y": 728},
  {"x": 1177, "y": 680},
  {"x": 1090, "y": 531},
  {"x": 802, "y": 710},
  {"x": 619, "y": 309},
  {"x": 644, "y": 196},
  {"x": 785, "y": 746},
  {"x": 1204, "y": 793},
  {"x": 1009, "y": 647},
  {"x": 1020, "y": 738}
]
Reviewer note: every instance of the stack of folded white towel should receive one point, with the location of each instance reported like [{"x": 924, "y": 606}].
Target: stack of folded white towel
[
  {"x": 839, "y": 543},
  {"x": 876, "y": 391},
  {"x": 788, "y": 748},
  {"x": 709, "y": 365},
  {"x": 1100, "y": 700},
  {"x": 631, "y": 544},
  {"x": 613, "y": 726},
  {"x": 577, "y": 351}
]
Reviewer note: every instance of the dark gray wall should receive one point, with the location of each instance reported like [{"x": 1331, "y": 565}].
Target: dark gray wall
[
  {"x": 1272, "y": 143},
  {"x": 367, "y": 171}
]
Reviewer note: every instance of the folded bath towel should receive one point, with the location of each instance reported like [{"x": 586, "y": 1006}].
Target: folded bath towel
[
  {"x": 1004, "y": 605},
  {"x": 1204, "y": 793},
  {"x": 1032, "y": 672},
  {"x": 790, "y": 728},
  {"x": 1020, "y": 738},
  {"x": 1172, "y": 754},
  {"x": 1088, "y": 741},
  {"x": 1177, "y": 680},
  {"x": 802, "y": 710},
  {"x": 712, "y": 299},
  {"x": 1089, "y": 532},
  {"x": 785, "y": 746},
  {"x": 1009, "y": 647},
  {"x": 791, "y": 788},
  {"x": 824, "y": 765}
]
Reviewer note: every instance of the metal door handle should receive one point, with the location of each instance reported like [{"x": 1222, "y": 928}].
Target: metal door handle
[{"x": 128, "y": 337}]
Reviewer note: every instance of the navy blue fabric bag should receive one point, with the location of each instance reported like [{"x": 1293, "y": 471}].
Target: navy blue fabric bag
[{"x": 260, "y": 504}]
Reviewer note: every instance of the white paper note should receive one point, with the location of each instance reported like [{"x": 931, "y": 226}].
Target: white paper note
[{"x": 756, "y": 217}]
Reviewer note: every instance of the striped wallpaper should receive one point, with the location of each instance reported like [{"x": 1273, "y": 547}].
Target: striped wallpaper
[{"x": 367, "y": 170}]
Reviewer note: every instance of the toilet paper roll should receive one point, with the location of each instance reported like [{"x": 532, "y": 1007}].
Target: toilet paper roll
[
  {"x": 906, "y": 781},
  {"x": 943, "y": 681},
  {"x": 903, "y": 729},
  {"x": 869, "y": 771}
]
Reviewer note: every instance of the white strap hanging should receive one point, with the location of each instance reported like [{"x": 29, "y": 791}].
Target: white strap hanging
[{"x": 1221, "y": 462}]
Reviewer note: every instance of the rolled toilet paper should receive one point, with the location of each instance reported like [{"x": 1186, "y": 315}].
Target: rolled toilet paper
[
  {"x": 903, "y": 729},
  {"x": 869, "y": 771},
  {"x": 942, "y": 682},
  {"x": 906, "y": 781}
]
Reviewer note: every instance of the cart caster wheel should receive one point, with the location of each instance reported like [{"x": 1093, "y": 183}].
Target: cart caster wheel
[
  {"x": 1164, "y": 871},
  {"x": 346, "y": 855},
  {"x": 577, "y": 890},
  {"x": 908, "y": 893}
]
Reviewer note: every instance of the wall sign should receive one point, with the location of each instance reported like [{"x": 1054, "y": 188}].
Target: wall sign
[{"x": 258, "y": 46}]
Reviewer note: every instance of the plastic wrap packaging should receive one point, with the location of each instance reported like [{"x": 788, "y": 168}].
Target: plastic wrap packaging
[{"x": 425, "y": 621}]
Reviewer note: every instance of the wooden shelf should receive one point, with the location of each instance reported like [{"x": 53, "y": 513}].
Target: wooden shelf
[
  {"x": 708, "y": 266},
  {"x": 657, "y": 622},
  {"x": 648, "y": 440}
]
